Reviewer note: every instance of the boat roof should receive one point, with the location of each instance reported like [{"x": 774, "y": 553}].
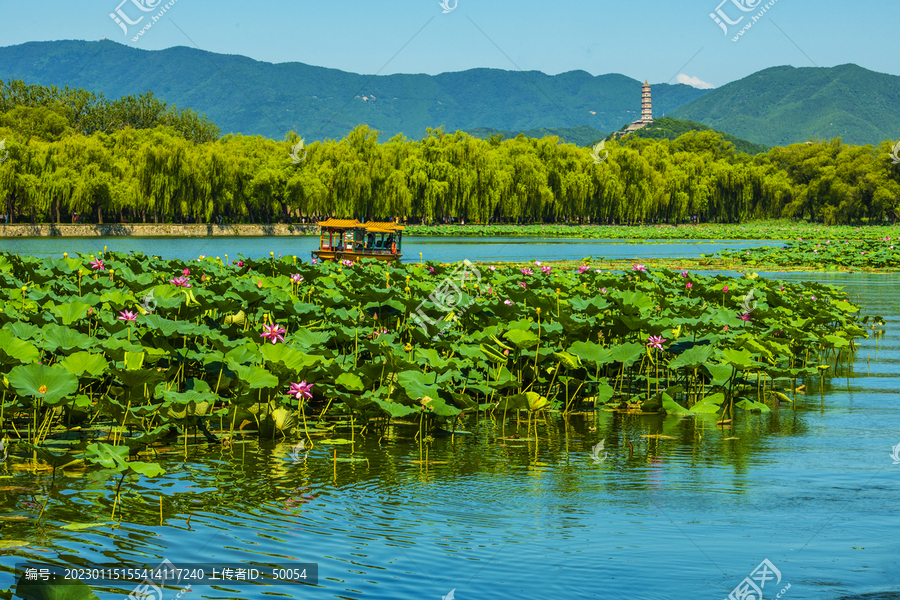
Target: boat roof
[
  {"x": 387, "y": 226},
  {"x": 341, "y": 223},
  {"x": 373, "y": 226}
]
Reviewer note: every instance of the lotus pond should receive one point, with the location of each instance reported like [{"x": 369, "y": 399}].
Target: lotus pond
[
  {"x": 753, "y": 230},
  {"x": 827, "y": 254},
  {"x": 386, "y": 422}
]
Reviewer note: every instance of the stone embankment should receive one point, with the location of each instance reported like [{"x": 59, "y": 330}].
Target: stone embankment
[{"x": 153, "y": 230}]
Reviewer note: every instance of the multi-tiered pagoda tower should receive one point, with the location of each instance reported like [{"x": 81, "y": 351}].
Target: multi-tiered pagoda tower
[
  {"x": 646, "y": 112},
  {"x": 646, "y": 105}
]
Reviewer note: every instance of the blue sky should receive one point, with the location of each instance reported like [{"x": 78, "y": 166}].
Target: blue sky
[{"x": 652, "y": 39}]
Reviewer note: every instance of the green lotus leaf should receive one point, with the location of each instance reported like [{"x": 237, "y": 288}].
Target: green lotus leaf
[
  {"x": 70, "y": 312},
  {"x": 80, "y": 363},
  {"x": 592, "y": 353},
  {"x": 521, "y": 338},
  {"x": 673, "y": 408},
  {"x": 395, "y": 410},
  {"x": 627, "y": 353},
  {"x": 709, "y": 404},
  {"x": 569, "y": 361},
  {"x": 252, "y": 376},
  {"x": 50, "y": 384},
  {"x": 692, "y": 358},
  {"x": 138, "y": 378},
  {"x": 739, "y": 359},
  {"x": 22, "y": 330},
  {"x": 293, "y": 360},
  {"x": 118, "y": 299},
  {"x": 752, "y": 406},
  {"x": 350, "y": 381},
  {"x": 16, "y": 351},
  {"x": 417, "y": 384},
  {"x": 58, "y": 338},
  {"x": 164, "y": 326}
]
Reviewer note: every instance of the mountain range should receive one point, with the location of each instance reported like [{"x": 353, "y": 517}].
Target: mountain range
[{"x": 777, "y": 106}]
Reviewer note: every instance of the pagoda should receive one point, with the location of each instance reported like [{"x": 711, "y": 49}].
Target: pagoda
[{"x": 646, "y": 112}]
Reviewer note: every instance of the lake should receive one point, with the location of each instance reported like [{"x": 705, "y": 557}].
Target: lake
[
  {"x": 449, "y": 249},
  {"x": 812, "y": 489}
]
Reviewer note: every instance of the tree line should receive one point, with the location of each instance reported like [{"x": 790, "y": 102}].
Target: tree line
[{"x": 140, "y": 164}]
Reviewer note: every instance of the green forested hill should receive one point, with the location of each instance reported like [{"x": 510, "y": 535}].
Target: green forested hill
[
  {"x": 785, "y": 105},
  {"x": 580, "y": 136},
  {"x": 667, "y": 128},
  {"x": 326, "y": 103}
]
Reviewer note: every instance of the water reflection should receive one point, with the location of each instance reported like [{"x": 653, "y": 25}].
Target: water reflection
[{"x": 685, "y": 510}]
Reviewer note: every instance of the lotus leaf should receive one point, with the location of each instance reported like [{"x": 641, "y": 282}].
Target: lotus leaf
[{"x": 50, "y": 384}]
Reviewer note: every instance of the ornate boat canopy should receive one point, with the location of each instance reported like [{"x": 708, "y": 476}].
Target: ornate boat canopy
[{"x": 341, "y": 223}]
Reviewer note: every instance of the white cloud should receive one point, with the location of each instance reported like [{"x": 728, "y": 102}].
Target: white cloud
[{"x": 694, "y": 82}]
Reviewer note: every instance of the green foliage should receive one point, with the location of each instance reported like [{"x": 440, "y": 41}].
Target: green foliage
[
  {"x": 829, "y": 254},
  {"x": 671, "y": 129},
  {"x": 580, "y": 136},
  {"x": 46, "y": 113}
]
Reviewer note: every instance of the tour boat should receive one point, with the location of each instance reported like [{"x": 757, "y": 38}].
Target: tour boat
[{"x": 348, "y": 239}]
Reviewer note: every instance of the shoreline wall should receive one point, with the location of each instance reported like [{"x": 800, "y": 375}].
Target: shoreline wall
[{"x": 154, "y": 230}]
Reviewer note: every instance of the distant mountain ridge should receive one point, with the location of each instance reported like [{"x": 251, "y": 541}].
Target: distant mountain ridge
[
  {"x": 775, "y": 107},
  {"x": 318, "y": 102},
  {"x": 787, "y": 105}
]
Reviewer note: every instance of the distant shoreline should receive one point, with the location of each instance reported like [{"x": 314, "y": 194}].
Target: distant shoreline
[{"x": 155, "y": 230}]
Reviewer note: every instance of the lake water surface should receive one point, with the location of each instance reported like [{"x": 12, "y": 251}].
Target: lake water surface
[
  {"x": 813, "y": 489},
  {"x": 439, "y": 249}
]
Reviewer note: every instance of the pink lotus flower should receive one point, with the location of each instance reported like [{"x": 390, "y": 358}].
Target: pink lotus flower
[
  {"x": 186, "y": 272},
  {"x": 602, "y": 290},
  {"x": 725, "y": 290},
  {"x": 546, "y": 270},
  {"x": 381, "y": 331},
  {"x": 240, "y": 263},
  {"x": 315, "y": 260},
  {"x": 689, "y": 285},
  {"x": 641, "y": 268},
  {"x": 180, "y": 281},
  {"x": 431, "y": 270},
  {"x": 98, "y": 265},
  {"x": 685, "y": 273},
  {"x": 655, "y": 341},
  {"x": 296, "y": 278},
  {"x": 127, "y": 315},
  {"x": 725, "y": 329},
  {"x": 493, "y": 268},
  {"x": 583, "y": 268},
  {"x": 745, "y": 317},
  {"x": 508, "y": 302},
  {"x": 274, "y": 333},
  {"x": 537, "y": 263},
  {"x": 527, "y": 271},
  {"x": 301, "y": 390},
  {"x": 523, "y": 284},
  {"x": 347, "y": 263}
]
